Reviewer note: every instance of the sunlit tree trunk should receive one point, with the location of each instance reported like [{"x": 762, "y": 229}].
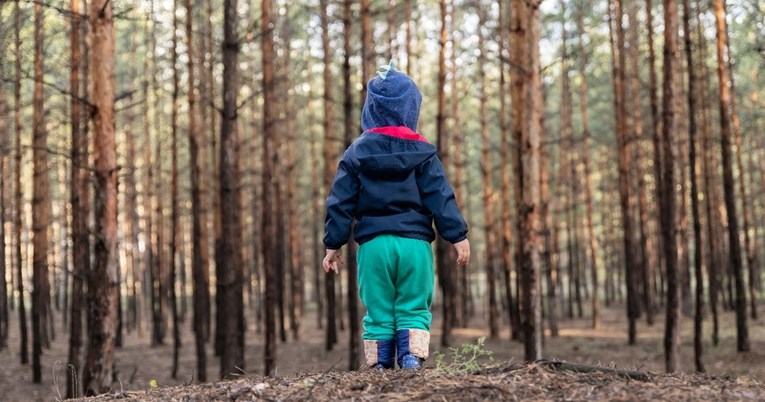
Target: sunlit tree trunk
[
  {"x": 103, "y": 281},
  {"x": 697, "y": 240},
  {"x": 229, "y": 256},
  {"x": 40, "y": 203},
  {"x": 742, "y": 331}
]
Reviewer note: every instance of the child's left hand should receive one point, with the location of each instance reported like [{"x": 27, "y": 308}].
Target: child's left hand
[{"x": 332, "y": 261}]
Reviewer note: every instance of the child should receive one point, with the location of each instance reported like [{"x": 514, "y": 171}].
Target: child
[{"x": 393, "y": 185}]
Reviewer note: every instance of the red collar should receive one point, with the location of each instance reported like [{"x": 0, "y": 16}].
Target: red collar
[{"x": 402, "y": 132}]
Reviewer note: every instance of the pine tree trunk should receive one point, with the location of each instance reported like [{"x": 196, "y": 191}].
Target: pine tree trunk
[
  {"x": 157, "y": 216},
  {"x": 647, "y": 256},
  {"x": 199, "y": 269},
  {"x": 505, "y": 150},
  {"x": 229, "y": 257},
  {"x": 462, "y": 299},
  {"x": 527, "y": 107},
  {"x": 354, "y": 336},
  {"x": 713, "y": 262},
  {"x": 742, "y": 331},
  {"x": 23, "y": 338},
  {"x": 593, "y": 241},
  {"x": 488, "y": 191},
  {"x": 668, "y": 229},
  {"x": 174, "y": 224},
  {"x": 4, "y": 177},
  {"x": 316, "y": 203},
  {"x": 269, "y": 93},
  {"x": 657, "y": 163},
  {"x": 624, "y": 153},
  {"x": 132, "y": 224},
  {"x": 103, "y": 281},
  {"x": 40, "y": 203},
  {"x": 330, "y": 160},
  {"x": 752, "y": 262},
  {"x": 444, "y": 277},
  {"x": 80, "y": 201},
  {"x": 697, "y": 240}
]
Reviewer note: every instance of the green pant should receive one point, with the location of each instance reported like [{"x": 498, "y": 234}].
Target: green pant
[{"x": 396, "y": 285}]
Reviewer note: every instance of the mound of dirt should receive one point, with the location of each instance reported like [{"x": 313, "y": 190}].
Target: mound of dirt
[{"x": 543, "y": 381}]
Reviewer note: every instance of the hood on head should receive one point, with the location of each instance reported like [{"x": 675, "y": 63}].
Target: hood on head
[{"x": 391, "y": 101}]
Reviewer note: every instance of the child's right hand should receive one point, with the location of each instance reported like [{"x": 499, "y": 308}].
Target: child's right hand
[
  {"x": 332, "y": 261},
  {"x": 463, "y": 251}
]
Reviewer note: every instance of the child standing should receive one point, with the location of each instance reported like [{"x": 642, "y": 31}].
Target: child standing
[{"x": 391, "y": 182}]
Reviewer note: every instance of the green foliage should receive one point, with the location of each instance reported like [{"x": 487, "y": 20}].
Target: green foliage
[{"x": 465, "y": 359}]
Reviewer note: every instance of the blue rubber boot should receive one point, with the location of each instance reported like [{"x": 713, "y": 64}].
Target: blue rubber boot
[
  {"x": 412, "y": 348},
  {"x": 380, "y": 355}
]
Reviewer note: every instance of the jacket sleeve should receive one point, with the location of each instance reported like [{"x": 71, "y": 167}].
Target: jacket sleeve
[
  {"x": 341, "y": 205},
  {"x": 438, "y": 198}
]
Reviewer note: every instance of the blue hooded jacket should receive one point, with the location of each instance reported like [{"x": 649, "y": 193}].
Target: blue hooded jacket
[{"x": 390, "y": 180}]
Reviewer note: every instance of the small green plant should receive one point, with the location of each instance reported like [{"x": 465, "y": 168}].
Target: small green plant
[{"x": 464, "y": 359}]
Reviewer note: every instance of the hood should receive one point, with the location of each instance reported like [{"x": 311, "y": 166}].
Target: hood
[
  {"x": 387, "y": 152},
  {"x": 392, "y": 99}
]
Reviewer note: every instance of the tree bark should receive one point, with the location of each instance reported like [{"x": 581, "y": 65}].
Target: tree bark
[
  {"x": 23, "y": 338},
  {"x": 742, "y": 331},
  {"x": 624, "y": 157},
  {"x": 103, "y": 281},
  {"x": 698, "y": 348},
  {"x": 655, "y": 135},
  {"x": 229, "y": 258},
  {"x": 505, "y": 151},
  {"x": 40, "y": 203},
  {"x": 354, "y": 336},
  {"x": 174, "y": 221},
  {"x": 593, "y": 241},
  {"x": 647, "y": 256},
  {"x": 199, "y": 269},
  {"x": 80, "y": 201},
  {"x": 330, "y": 159},
  {"x": 752, "y": 262},
  {"x": 4, "y": 177},
  {"x": 488, "y": 190},
  {"x": 269, "y": 94},
  {"x": 444, "y": 277},
  {"x": 668, "y": 229},
  {"x": 527, "y": 107}
]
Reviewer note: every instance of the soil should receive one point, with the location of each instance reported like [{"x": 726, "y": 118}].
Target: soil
[{"x": 307, "y": 372}]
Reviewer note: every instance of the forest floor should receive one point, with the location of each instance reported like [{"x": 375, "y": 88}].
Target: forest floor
[{"x": 307, "y": 372}]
